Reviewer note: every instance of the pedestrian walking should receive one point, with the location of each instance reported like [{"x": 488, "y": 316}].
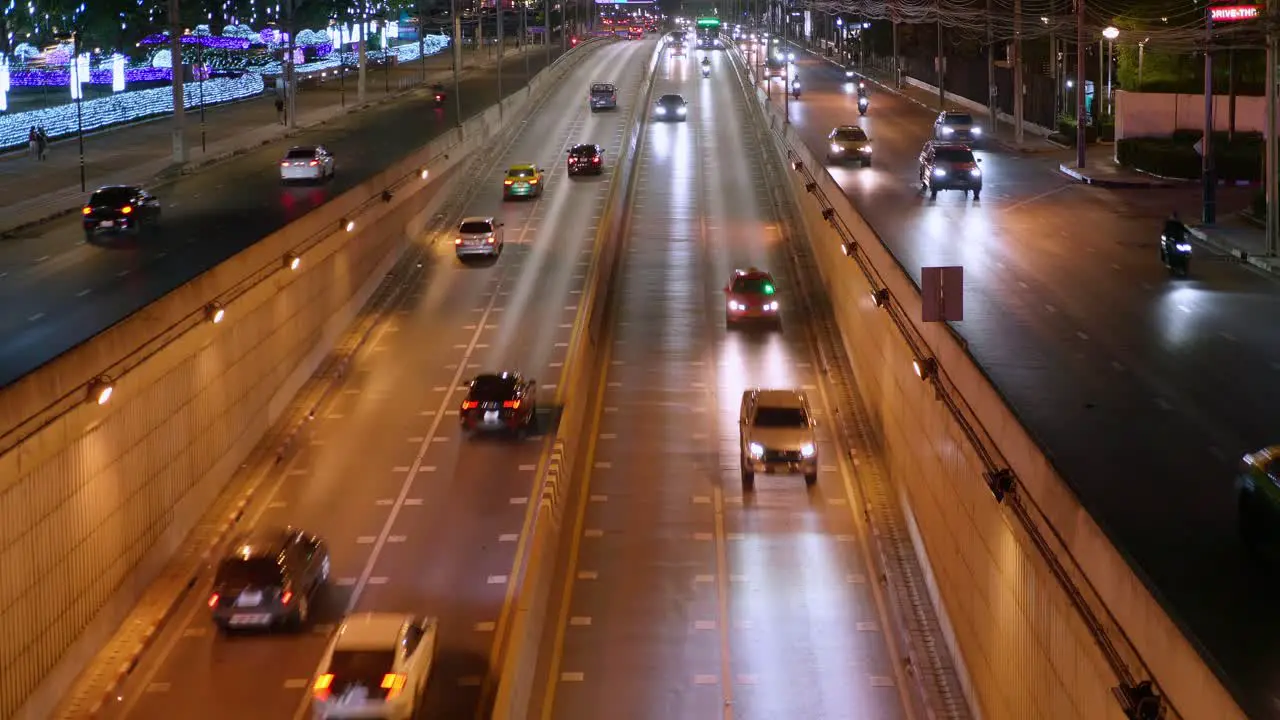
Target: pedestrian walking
[
  {"x": 42, "y": 142},
  {"x": 280, "y": 110},
  {"x": 33, "y": 143}
]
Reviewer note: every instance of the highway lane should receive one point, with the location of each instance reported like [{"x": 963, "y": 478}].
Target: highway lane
[
  {"x": 1146, "y": 390},
  {"x": 419, "y": 519},
  {"x": 689, "y": 598},
  {"x": 58, "y": 290}
]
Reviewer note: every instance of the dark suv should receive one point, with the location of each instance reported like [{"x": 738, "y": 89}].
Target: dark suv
[
  {"x": 268, "y": 578},
  {"x": 586, "y": 159},
  {"x": 949, "y": 166},
  {"x": 505, "y": 401},
  {"x": 119, "y": 209}
]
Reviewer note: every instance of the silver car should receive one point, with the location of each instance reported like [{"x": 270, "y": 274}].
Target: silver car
[
  {"x": 955, "y": 126},
  {"x": 777, "y": 435},
  {"x": 307, "y": 163},
  {"x": 479, "y": 237}
]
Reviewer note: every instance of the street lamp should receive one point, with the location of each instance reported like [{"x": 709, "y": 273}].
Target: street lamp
[
  {"x": 78, "y": 88},
  {"x": 200, "y": 80},
  {"x": 1110, "y": 33},
  {"x": 1141, "y": 46}
]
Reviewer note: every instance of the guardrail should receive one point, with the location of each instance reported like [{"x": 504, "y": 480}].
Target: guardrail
[
  {"x": 536, "y": 564},
  {"x": 894, "y": 292}
]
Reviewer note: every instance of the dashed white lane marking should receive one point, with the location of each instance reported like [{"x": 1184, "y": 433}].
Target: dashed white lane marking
[
  {"x": 571, "y": 677},
  {"x": 439, "y": 388},
  {"x": 560, "y": 345},
  {"x": 738, "y": 578},
  {"x": 702, "y": 537},
  {"x": 195, "y": 632},
  {"x": 1082, "y": 335},
  {"x": 159, "y": 687},
  {"x": 427, "y": 468},
  {"x": 84, "y": 292},
  {"x": 1022, "y": 285},
  {"x": 701, "y": 499},
  {"x": 856, "y": 579},
  {"x": 704, "y": 578},
  {"x": 603, "y": 465},
  {"x": 599, "y": 498},
  {"x": 413, "y": 501},
  {"x": 1114, "y": 266},
  {"x": 365, "y": 540},
  {"x": 442, "y": 438},
  {"x": 1051, "y": 308},
  {"x": 497, "y": 580},
  {"x": 566, "y": 325},
  {"x": 579, "y": 621},
  {"x": 378, "y": 580},
  {"x": 427, "y": 413},
  {"x": 122, "y": 273},
  {"x": 1184, "y": 308},
  {"x": 519, "y": 501},
  {"x": 867, "y": 627},
  {"x": 618, "y": 384},
  {"x": 705, "y": 679},
  {"x": 549, "y": 386},
  {"x": 837, "y": 501},
  {"x": 485, "y": 626},
  {"x": 881, "y": 681},
  {"x": 526, "y": 468},
  {"x": 396, "y": 538},
  {"x": 344, "y": 582},
  {"x": 846, "y": 538},
  {"x": 588, "y": 575},
  {"x": 593, "y": 533},
  {"x": 508, "y": 537},
  {"x": 570, "y": 307},
  {"x": 608, "y": 436},
  {"x": 36, "y": 317},
  {"x": 468, "y": 327},
  {"x": 41, "y": 259},
  {"x": 334, "y": 416},
  {"x": 704, "y": 625},
  {"x": 400, "y": 468},
  {"x": 276, "y": 504},
  {"x": 1117, "y": 366},
  {"x": 555, "y": 364},
  {"x": 734, "y": 536},
  {"x": 611, "y": 410},
  {"x": 295, "y": 683}
]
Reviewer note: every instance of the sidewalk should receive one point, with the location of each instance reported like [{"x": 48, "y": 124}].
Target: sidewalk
[
  {"x": 927, "y": 97},
  {"x": 1101, "y": 169},
  {"x": 1241, "y": 238},
  {"x": 37, "y": 191}
]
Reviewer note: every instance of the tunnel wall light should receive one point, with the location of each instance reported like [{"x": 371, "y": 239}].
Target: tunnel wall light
[
  {"x": 101, "y": 389},
  {"x": 215, "y": 312},
  {"x": 292, "y": 261},
  {"x": 881, "y": 297},
  {"x": 347, "y": 225},
  {"x": 1001, "y": 482},
  {"x": 424, "y": 174},
  {"x": 926, "y": 368},
  {"x": 798, "y": 166}
]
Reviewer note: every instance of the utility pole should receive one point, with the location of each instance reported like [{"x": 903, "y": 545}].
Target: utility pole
[
  {"x": 897, "y": 71},
  {"x": 546, "y": 31},
  {"x": 786, "y": 66},
  {"x": 422, "y": 41},
  {"x": 1080, "y": 119},
  {"x": 1272, "y": 164},
  {"x": 362, "y": 56},
  {"x": 942, "y": 68},
  {"x": 993, "y": 108},
  {"x": 1209, "y": 183},
  {"x": 457, "y": 61},
  {"x": 1018, "y": 91},
  {"x": 179, "y": 93},
  {"x": 290, "y": 71},
  {"x": 498, "y": 17}
]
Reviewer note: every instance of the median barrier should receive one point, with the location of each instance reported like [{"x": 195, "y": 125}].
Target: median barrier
[
  {"x": 1046, "y": 618},
  {"x": 519, "y": 667},
  {"x": 95, "y": 499}
]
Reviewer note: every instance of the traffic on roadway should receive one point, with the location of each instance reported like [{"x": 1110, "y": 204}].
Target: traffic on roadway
[
  {"x": 405, "y": 505},
  {"x": 1145, "y": 388},
  {"x": 61, "y": 284},
  {"x": 698, "y": 584}
]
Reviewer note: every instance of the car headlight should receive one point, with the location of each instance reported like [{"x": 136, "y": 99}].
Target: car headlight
[
  {"x": 865, "y": 149},
  {"x": 848, "y": 73},
  {"x": 756, "y": 449},
  {"x": 939, "y": 172},
  {"x": 733, "y": 305},
  {"x": 773, "y": 306},
  {"x": 836, "y": 148},
  {"x": 976, "y": 130},
  {"x": 1183, "y": 247},
  {"x": 975, "y": 172},
  {"x": 807, "y": 450},
  {"x": 662, "y": 111},
  {"x": 947, "y": 131},
  {"x": 680, "y": 111}
]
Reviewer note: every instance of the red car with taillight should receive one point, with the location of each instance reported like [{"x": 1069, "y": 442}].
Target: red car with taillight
[
  {"x": 751, "y": 296},
  {"x": 500, "y": 402},
  {"x": 586, "y": 160}
]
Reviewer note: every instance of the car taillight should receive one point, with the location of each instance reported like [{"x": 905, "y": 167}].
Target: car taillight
[
  {"x": 533, "y": 181},
  {"x": 470, "y": 405},
  {"x": 393, "y": 683},
  {"x": 286, "y": 597},
  {"x": 513, "y": 404},
  {"x": 284, "y": 163},
  {"x": 126, "y": 209},
  {"x": 507, "y": 182},
  {"x": 457, "y": 241},
  {"x": 490, "y": 241},
  {"x": 595, "y": 160},
  {"x": 213, "y": 600},
  {"x": 86, "y": 210},
  {"x": 321, "y": 687},
  {"x": 313, "y": 163}
]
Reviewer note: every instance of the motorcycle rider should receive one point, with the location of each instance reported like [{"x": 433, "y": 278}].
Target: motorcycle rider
[{"x": 1174, "y": 234}]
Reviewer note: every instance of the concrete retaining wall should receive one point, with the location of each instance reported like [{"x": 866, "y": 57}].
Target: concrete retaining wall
[
  {"x": 1140, "y": 114},
  {"x": 978, "y": 108},
  {"x": 1026, "y": 651},
  {"x": 95, "y": 499},
  {"x": 517, "y": 686}
]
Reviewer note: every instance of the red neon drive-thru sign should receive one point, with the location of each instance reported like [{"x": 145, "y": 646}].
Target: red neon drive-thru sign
[{"x": 1232, "y": 13}]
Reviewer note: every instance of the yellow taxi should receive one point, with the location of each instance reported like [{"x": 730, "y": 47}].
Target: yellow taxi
[
  {"x": 849, "y": 144},
  {"x": 525, "y": 180}
]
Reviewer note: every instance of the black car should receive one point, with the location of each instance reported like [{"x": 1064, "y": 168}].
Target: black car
[
  {"x": 268, "y": 578},
  {"x": 119, "y": 208},
  {"x": 671, "y": 108},
  {"x": 949, "y": 166},
  {"x": 500, "y": 402},
  {"x": 586, "y": 159}
]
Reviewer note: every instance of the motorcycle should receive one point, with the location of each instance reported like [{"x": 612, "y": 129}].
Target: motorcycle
[
  {"x": 439, "y": 97},
  {"x": 862, "y": 105},
  {"x": 1175, "y": 250},
  {"x": 795, "y": 89},
  {"x": 706, "y": 72}
]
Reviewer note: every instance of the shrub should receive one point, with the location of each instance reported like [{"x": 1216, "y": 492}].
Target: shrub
[{"x": 1176, "y": 156}]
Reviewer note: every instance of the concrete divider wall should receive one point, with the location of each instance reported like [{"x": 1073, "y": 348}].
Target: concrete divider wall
[
  {"x": 516, "y": 694},
  {"x": 1024, "y": 648},
  {"x": 94, "y": 500}
]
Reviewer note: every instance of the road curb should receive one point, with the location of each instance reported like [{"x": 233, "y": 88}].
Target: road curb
[
  {"x": 1079, "y": 176},
  {"x": 1263, "y": 263}
]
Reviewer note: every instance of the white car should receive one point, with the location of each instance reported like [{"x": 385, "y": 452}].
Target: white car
[
  {"x": 478, "y": 236},
  {"x": 309, "y": 163},
  {"x": 376, "y": 666},
  {"x": 776, "y": 432}
]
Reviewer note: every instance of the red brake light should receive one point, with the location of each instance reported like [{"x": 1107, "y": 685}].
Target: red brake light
[
  {"x": 470, "y": 405},
  {"x": 507, "y": 182},
  {"x": 286, "y": 597},
  {"x": 284, "y": 163},
  {"x": 126, "y": 209},
  {"x": 513, "y": 404},
  {"x": 457, "y": 241},
  {"x": 213, "y": 600},
  {"x": 490, "y": 241},
  {"x": 86, "y": 210},
  {"x": 393, "y": 683},
  {"x": 533, "y": 181},
  {"x": 595, "y": 160},
  {"x": 313, "y": 163},
  {"x": 321, "y": 687}
]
